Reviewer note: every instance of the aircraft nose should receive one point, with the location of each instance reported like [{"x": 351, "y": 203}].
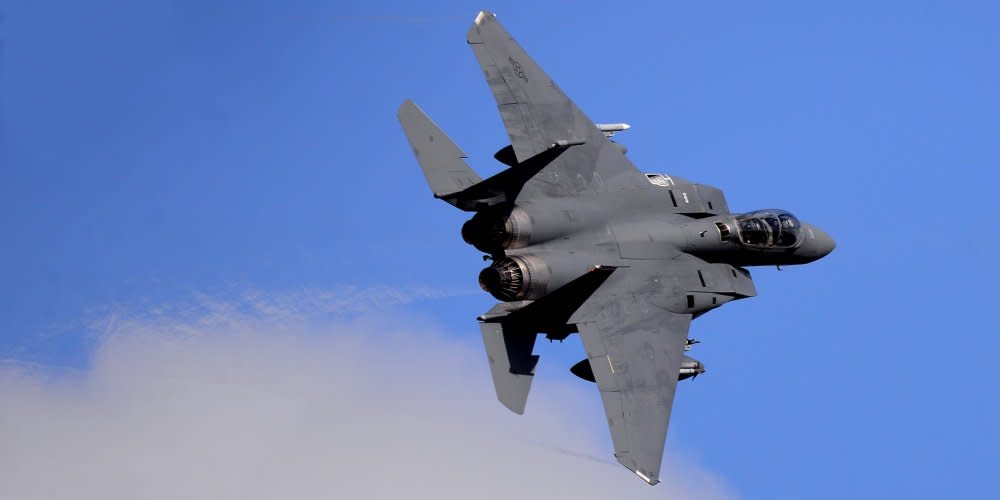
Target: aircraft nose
[
  {"x": 825, "y": 242},
  {"x": 820, "y": 244}
]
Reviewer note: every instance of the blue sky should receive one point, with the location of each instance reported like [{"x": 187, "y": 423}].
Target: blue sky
[{"x": 155, "y": 151}]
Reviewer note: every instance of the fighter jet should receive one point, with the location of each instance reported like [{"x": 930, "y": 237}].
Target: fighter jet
[{"x": 583, "y": 242}]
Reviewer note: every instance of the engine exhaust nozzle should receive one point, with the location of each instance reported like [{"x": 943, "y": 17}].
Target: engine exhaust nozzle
[{"x": 520, "y": 277}]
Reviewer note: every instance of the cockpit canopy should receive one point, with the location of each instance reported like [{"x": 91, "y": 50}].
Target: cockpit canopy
[{"x": 769, "y": 228}]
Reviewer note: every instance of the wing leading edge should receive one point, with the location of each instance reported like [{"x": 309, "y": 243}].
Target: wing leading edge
[
  {"x": 635, "y": 350},
  {"x": 539, "y": 117}
]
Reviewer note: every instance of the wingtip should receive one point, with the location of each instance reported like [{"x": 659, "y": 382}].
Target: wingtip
[
  {"x": 517, "y": 410},
  {"x": 483, "y": 14},
  {"x": 650, "y": 480},
  {"x": 473, "y": 36},
  {"x": 405, "y": 106}
]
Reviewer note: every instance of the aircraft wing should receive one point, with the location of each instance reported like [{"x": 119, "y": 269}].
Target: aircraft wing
[
  {"x": 538, "y": 116},
  {"x": 635, "y": 350}
]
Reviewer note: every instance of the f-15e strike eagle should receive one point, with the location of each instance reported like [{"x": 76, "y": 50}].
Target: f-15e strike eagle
[{"x": 583, "y": 242}]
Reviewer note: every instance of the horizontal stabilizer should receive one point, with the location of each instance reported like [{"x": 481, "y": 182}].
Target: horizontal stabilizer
[
  {"x": 511, "y": 363},
  {"x": 439, "y": 157}
]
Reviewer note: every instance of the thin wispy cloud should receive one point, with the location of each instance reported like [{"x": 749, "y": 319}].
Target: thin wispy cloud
[{"x": 281, "y": 396}]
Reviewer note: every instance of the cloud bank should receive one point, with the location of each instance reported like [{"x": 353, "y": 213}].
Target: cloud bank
[{"x": 302, "y": 396}]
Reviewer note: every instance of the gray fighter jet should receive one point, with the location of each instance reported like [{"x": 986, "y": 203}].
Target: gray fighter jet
[{"x": 583, "y": 242}]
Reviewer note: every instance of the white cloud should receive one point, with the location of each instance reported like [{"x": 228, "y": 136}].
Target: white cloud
[{"x": 278, "y": 396}]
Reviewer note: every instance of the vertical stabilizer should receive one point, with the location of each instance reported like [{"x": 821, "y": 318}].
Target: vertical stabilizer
[{"x": 439, "y": 157}]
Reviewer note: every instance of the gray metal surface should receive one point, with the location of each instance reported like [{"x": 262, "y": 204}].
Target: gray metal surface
[
  {"x": 635, "y": 360},
  {"x": 512, "y": 364},
  {"x": 439, "y": 157},
  {"x": 580, "y": 241}
]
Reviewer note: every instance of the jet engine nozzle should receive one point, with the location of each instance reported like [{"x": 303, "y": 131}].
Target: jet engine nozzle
[
  {"x": 491, "y": 232},
  {"x": 521, "y": 277}
]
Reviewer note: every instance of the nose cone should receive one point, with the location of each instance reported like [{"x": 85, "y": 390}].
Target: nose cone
[
  {"x": 824, "y": 242},
  {"x": 817, "y": 244}
]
